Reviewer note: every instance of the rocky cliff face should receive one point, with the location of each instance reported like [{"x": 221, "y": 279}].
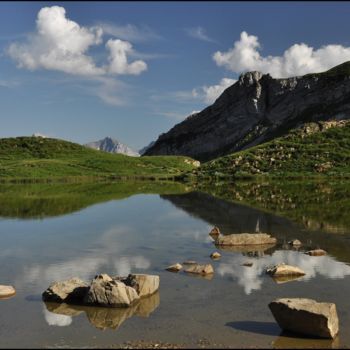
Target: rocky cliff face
[
  {"x": 112, "y": 146},
  {"x": 256, "y": 109}
]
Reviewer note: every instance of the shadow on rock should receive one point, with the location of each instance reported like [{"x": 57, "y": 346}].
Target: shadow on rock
[{"x": 105, "y": 317}]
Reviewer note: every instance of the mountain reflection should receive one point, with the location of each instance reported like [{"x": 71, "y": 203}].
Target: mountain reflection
[
  {"x": 100, "y": 317},
  {"x": 252, "y": 278}
]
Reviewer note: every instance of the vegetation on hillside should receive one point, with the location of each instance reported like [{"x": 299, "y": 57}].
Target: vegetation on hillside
[
  {"x": 45, "y": 158},
  {"x": 315, "y": 149}
]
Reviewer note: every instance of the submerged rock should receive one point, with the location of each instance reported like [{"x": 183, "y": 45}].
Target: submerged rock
[
  {"x": 189, "y": 262},
  {"x": 215, "y": 255},
  {"x": 174, "y": 268},
  {"x": 105, "y": 291},
  {"x": 316, "y": 252},
  {"x": 247, "y": 264},
  {"x": 284, "y": 270},
  {"x": 245, "y": 239},
  {"x": 7, "y": 291},
  {"x": 286, "y": 278},
  {"x": 306, "y": 316},
  {"x": 69, "y": 291},
  {"x": 200, "y": 269}
]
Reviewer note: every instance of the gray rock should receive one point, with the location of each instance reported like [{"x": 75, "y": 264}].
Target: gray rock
[
  {"x": 306, "y": 316},
  {"x": 69, "y": 291},
  {"x": 174, "y": 268},
  {"x": 256, "y": 109},
  {"x": 105, "y": 291},
  {"x": 245, "y": 239},
  {"x": 205, "y": 269},
  {"x": 215, "y": 255}
]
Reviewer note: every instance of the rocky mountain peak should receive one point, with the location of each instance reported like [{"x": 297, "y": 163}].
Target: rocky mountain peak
[
  {"x": 250, "y": 78},
  {"x": 111, "y": 145}
]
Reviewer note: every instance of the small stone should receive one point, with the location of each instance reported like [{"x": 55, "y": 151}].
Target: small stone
[
  {"x": 295, "y": 242},
  {"x": 7, "y": 291},
  {"x": 200, "y": 269},
  {"x": 248, "y": 264},
  {"x": 215, "y": 255},
  {"x": 316, "y": 252},
  {"x": 285, "y": 270},
  {"x": 174, "y": 268}
]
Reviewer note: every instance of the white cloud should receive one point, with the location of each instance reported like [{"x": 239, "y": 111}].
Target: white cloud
[
  {"x": 129, "y": 32},
  {"x": 299, "y": 59},
  {"x": 118, "y": 58},
  {"x": 211, "y": 93},
  {"x": 53, "y": 319},
  {"x": 198, "y": 33},
  {"x": 62, "y": 44}
]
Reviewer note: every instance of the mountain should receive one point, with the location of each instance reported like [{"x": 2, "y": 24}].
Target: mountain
[
  {"x": 312, "y": 150},
  {"x": 143, "y": 150},
  {"x": 112, "y": 146},
  {"x": 256, "y": 109}
]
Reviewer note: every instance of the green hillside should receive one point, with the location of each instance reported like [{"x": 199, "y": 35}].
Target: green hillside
[
  {"x": 36, "y": 158},
  {"x": 314, "y": 150}
]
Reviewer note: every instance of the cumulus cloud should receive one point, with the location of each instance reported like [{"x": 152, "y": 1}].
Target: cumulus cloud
[
  {"x": 299, "y": 59},
  {"x": 62, "y": 44},
  {"x": 210, "y": 93},
  {"x": 198, "y": 33}
]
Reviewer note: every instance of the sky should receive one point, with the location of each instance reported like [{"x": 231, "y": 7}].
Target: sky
[{"x": 81, "y": 71}]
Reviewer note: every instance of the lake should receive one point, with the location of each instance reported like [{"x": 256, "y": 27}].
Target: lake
[{"x": 54, "y": 232}]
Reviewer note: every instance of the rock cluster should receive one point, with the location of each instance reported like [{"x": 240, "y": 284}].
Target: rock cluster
[{"x": 103, "y": 290}]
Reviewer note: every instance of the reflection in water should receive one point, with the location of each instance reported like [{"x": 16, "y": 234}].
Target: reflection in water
[
  {"x": 101, "y": 317},
  {"x": 288, "y": 341},
  {"x": 252, "y": 278},
  {"x": 248, "y": 250}
]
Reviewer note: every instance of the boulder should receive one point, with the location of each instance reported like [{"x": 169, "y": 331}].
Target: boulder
[
  {"x": 69, "y": 291},
  {"x": 284, "y": 270},
  {"x": 316, "y": 252},
  {"x": 245, "y": 239},
  {"x": 174, "y": 268},
  {"x": 215, "y": 255},
  {"x": 7, "y": 291},
  {"x": 200, "y": 269},
  {"x": 105, "y": 291},
  {"x": 306, "y": 316},
  {"x": 146, "y": 284},
  {"x": 295, "y": 243}
]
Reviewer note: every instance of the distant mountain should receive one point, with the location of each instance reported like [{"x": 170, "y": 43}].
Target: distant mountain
[
  {"x": 112, "y": 146},
  {"x": 257, "y": 109},
  {"x": 144, "y": 149}
]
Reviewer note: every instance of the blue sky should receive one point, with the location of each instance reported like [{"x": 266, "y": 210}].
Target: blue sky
[{"x": 81, "y": 71}]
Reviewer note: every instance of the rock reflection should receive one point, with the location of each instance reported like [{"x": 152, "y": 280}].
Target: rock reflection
[
  {"x": 289, "y": 341},
  {"x": 249, "y": 250},
  {"x": 101, "y": 317},
  {"x": 252, "y": 278}
]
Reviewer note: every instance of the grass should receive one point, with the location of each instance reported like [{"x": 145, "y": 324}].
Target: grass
[
  {"x": 313, "y": 151},
  {"x": 35, "y": 158},
  {"x": 40, "y": 200}
]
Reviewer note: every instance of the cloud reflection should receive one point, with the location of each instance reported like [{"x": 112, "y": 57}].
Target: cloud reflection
[{"x": 251, "y": 278}]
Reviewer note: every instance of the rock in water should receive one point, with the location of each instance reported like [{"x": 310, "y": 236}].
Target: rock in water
[
  {"x": 214, "y": 232},
  {"x": 105, "y": 291},
  {"x": 174, "y": 268},
  {"x": 245, "y": 239},
  {"x": 295, "y": 243},
  {"x": 189, "y": 262},
  {"x": 70, "y": 291},
  {"x": 306, "y": 316},
  {"x": 285, "y": 270},
  {"x": 146, "y": 284},
  {"x": 200, "y": 269},
  {"x": 316, "y": 252},
  {"x": 215, "y": 255},
  {"x": 7, "y": 291}
]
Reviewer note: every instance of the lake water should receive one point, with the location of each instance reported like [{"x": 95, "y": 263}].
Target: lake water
[{"x": 144, "y": 233}]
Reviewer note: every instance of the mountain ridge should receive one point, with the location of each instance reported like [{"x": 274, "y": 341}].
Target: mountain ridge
[
  {"x": 257, "y": 109},
  {"x": 112, "y": 145}
]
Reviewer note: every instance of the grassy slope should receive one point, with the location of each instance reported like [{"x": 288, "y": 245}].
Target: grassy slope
[
  {"x": 303, "y": 152},
  {"x": 45, "y": 158}
]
